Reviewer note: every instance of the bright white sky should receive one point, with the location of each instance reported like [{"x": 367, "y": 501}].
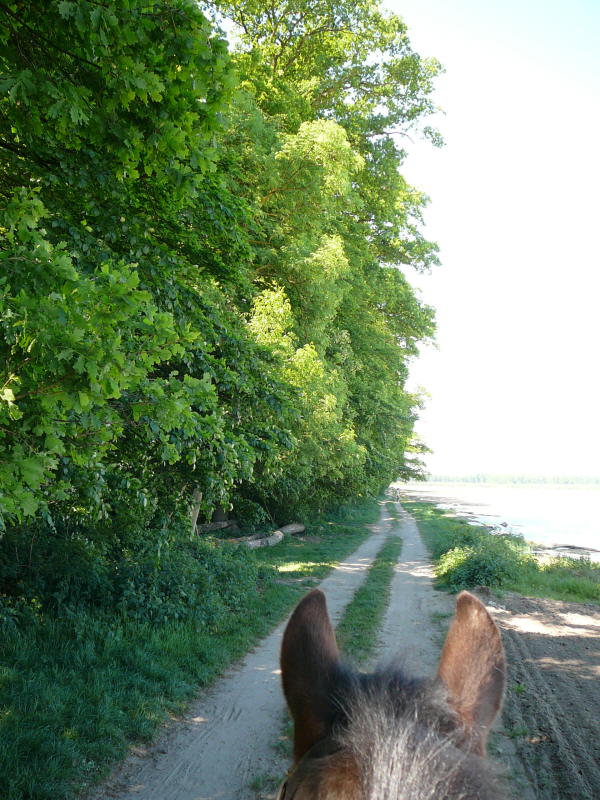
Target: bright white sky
[{"x": 515, "y": 383}]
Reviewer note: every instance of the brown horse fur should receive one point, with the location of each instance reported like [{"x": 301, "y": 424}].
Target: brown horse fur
[{"x": 386, "y": 736}]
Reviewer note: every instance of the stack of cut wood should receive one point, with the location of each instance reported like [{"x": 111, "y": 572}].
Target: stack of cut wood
[
  {"x": 294, "y": 528},
  {"x": 264, "y": 539}
]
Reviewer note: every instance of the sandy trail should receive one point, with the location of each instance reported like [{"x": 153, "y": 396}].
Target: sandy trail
[
  {"x": 553, "y": 649},
  {"x": 227, "y": 736},
  {"x": 407, "y": 634}
]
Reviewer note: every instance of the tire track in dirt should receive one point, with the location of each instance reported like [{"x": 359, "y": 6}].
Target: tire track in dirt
[
  {"x": 407, "y": 635},
  {"x": 554, "y": 652},
  {"x": 227, "y": 736},
  {"x": 414, "y": 629}
]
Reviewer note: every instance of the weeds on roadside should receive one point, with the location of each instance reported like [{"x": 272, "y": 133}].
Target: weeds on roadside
[{"x": 468, "y": 555}]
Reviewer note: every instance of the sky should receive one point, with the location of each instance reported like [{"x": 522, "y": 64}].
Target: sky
[{"x": 514, "y": 383}]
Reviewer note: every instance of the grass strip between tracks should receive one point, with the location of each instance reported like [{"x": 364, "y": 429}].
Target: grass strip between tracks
[{"x": 358, "y": 630}]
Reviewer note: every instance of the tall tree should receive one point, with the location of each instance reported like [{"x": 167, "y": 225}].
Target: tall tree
[
  {"x": 338, "y": 85},
  {"x": 127, "y": 377}
]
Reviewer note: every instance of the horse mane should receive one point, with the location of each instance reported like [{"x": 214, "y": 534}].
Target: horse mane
[
  {"x": 399, "y": 739},
  {"x": 409, "y": 744}
]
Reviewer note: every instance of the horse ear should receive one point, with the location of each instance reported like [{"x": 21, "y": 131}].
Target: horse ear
[
  {"x": 473, "y": 667},
  {"x": 309, "y": 657}
]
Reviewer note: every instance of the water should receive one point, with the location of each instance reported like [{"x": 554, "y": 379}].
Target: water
[{"x": 563, "y": 516}]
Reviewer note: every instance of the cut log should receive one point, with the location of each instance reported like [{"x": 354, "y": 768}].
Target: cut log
[
  {"x": 293, "y": 528},
  {"x": 256, "y": 536},
  {"x": 265, "y": 541}
]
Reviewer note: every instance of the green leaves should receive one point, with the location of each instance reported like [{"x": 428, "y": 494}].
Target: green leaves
[
  {"x": 200, "y": 283},
  {"x": 72, "y": 344},
  {"x": 321, "y": 149},
  {"x": 140, "y": 91},
  {"x": 336, "y": 223}
]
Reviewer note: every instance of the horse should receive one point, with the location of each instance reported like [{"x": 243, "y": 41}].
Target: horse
[{"x": 387, "y": 735}]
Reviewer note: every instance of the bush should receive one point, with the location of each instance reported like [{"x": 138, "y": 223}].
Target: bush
[
  {"x": 468, "y": 555},
  {"x": 57, "y": 570},
  {"x": 484, "y": 564},
  {"x": 454, "y": 535},
  {"x": 195, "y": 580},
  {"x": 162, "y": 579}
]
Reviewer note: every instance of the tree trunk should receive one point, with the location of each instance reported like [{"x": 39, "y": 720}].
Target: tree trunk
[{"x": 196, "y": 501}]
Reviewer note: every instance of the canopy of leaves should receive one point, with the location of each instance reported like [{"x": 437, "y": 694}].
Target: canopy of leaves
[
  {"x": 337, "y": 85},
  {"x": 203, "y": 251}
]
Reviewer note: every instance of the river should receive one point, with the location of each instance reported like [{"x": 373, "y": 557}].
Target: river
[{"x": 552, "y": 515}]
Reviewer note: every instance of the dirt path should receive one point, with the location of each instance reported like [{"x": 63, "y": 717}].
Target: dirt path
[
  {"x": 407, "y": 633},
  {"x": 227, "y": 737},
  {"x": 553, "y": 704},
  {"x": 548, "y": 745}
]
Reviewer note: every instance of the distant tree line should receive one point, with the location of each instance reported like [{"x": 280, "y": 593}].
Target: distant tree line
[{"x": 515, "y": 479}]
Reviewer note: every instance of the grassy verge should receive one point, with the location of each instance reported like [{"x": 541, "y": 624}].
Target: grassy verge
[
  {"x": 75, "y": 690},
  {"x": 358, "y": 630},
  {"x": 327, "y": 540},
  {"x": 466, "y": 555}
]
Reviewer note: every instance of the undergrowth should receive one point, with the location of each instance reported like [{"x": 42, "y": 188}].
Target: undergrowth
[
  {"x": 468, "y": 555},
  {"x": 91, "y": 667}
]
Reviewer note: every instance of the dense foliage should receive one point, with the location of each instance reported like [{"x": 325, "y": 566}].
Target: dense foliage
[{"x": 203, "y": 251}]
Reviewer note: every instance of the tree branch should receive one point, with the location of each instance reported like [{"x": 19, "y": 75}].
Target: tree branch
[{"x": 38, "y": 35}]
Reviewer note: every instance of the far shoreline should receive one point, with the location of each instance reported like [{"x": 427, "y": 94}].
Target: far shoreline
[
  {"x": 439, "y": 493},
  {"x": 555, "y": 482}
]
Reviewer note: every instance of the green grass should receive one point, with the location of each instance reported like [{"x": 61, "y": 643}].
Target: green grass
[
  {"x": 326, "y": 541},
  {"x": 358, "y": 630},
  {"x": 263, "y": 782},
  {"x": 467, "y": 555},
  {"x": 76, "y": 691}
]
